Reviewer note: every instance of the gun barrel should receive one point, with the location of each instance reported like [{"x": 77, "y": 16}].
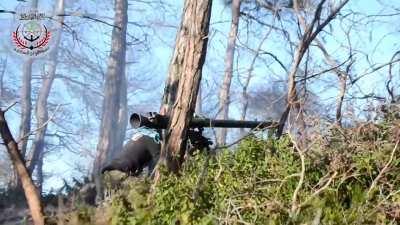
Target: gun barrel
[
  {"x": 206, "y": 122},
  {"x": 158, "y": 121}
]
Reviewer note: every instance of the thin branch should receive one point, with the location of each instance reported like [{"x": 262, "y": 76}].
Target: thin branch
[
  {"x": 85, "y": 16},
  {"x": 388, "y": 88},
  {"x": 316, "y": 193},
  {"x": 42, "y": 126},
  {"x": 10, "y": 106},
  {"x": 384, "y": 168},
  {"x": 81, "y": 15},
  {"x": 274, "y": 125},
  {"x": 375, "y": 69},
  {"x": 302, "y": 176},
  {"x": 324, "y": 71}
]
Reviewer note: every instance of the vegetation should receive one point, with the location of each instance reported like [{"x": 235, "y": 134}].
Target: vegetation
[
  {"x": 294, "y": 63},
  {"x": 351, "y": 176}
]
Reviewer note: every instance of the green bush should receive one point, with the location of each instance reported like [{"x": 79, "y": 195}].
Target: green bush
[{"x": 255, "y": 184}]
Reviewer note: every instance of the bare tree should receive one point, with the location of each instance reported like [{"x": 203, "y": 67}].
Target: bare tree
[
  {"x": 245, "y": 85},
  {"x": 42, "y": 117},
  {"x": 342, "y": 80},
  {"x": 26, "y": 103},
  {"x": 341, "y": 74},
  {"x": 110, "y": 122},
  {"x": 189, "y": 57},
  {"x": 310, "y": 33},
  {"x": 31, "y": 193},
  {"x": 224, "y": 94}
]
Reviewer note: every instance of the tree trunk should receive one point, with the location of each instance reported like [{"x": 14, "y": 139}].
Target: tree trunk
[
  {"x": 199, "y": 104},
  {"x": 172, "y": 82},
  {"x": 342, "y": 79},
  {"x": 26, "y": 105},
  {"x": 189, "y": 56},
  {"x": 39, "y": 173},
  {"x": 109, "y": 138},
  {"x": 224, "y": 95},
  {"x": 26, "y": 99},
  {"x": 29, "y": 188},
  {"x": 174, "y": 72},
  {"x": 292, "y": 100},
  {"x": 122, "y": 116},
  {"x": 340, "y": 98},
  {"x": 41, "y": 105},
  {"x": 2, "y": 72}
]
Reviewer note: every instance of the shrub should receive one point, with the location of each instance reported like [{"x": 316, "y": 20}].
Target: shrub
[{"x": 255, "y": 183}]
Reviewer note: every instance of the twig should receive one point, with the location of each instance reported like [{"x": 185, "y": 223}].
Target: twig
[
  {"x": 202, "y": 175},
  {"x": 374, "y": 70},
  {"x": 302, "y": 175},
  {"x": 10, "y": 106},
  {"x": 240, "y": 219},
  {"x": 384, "y": 169},
  {"x": 316, "y": 193},
  {"x": 251, "y": 132},
  {"x": 324, "y": 71},
  {"x": 84, "y": 16},
  {"x": 81, "y": 15},
  {"x": 219, "y": 171},
  {"x": 227, "y": 210},
  {"x": 317, "y": 217},
  {"x": 43, "y": 125},
  {"x": 283, "y": 182}
]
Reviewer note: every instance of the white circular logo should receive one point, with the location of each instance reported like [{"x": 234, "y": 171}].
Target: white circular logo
[{"x": 31, "y": 34}]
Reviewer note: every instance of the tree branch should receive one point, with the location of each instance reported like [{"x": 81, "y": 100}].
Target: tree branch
[{"x": 31, "y": 193}]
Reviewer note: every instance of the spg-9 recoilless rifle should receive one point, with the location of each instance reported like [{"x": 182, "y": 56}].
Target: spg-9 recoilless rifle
[{"x": 196, "y": 126}]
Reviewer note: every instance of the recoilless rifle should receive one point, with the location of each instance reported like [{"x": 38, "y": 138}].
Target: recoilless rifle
[{"x": 196, "y": 126}]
